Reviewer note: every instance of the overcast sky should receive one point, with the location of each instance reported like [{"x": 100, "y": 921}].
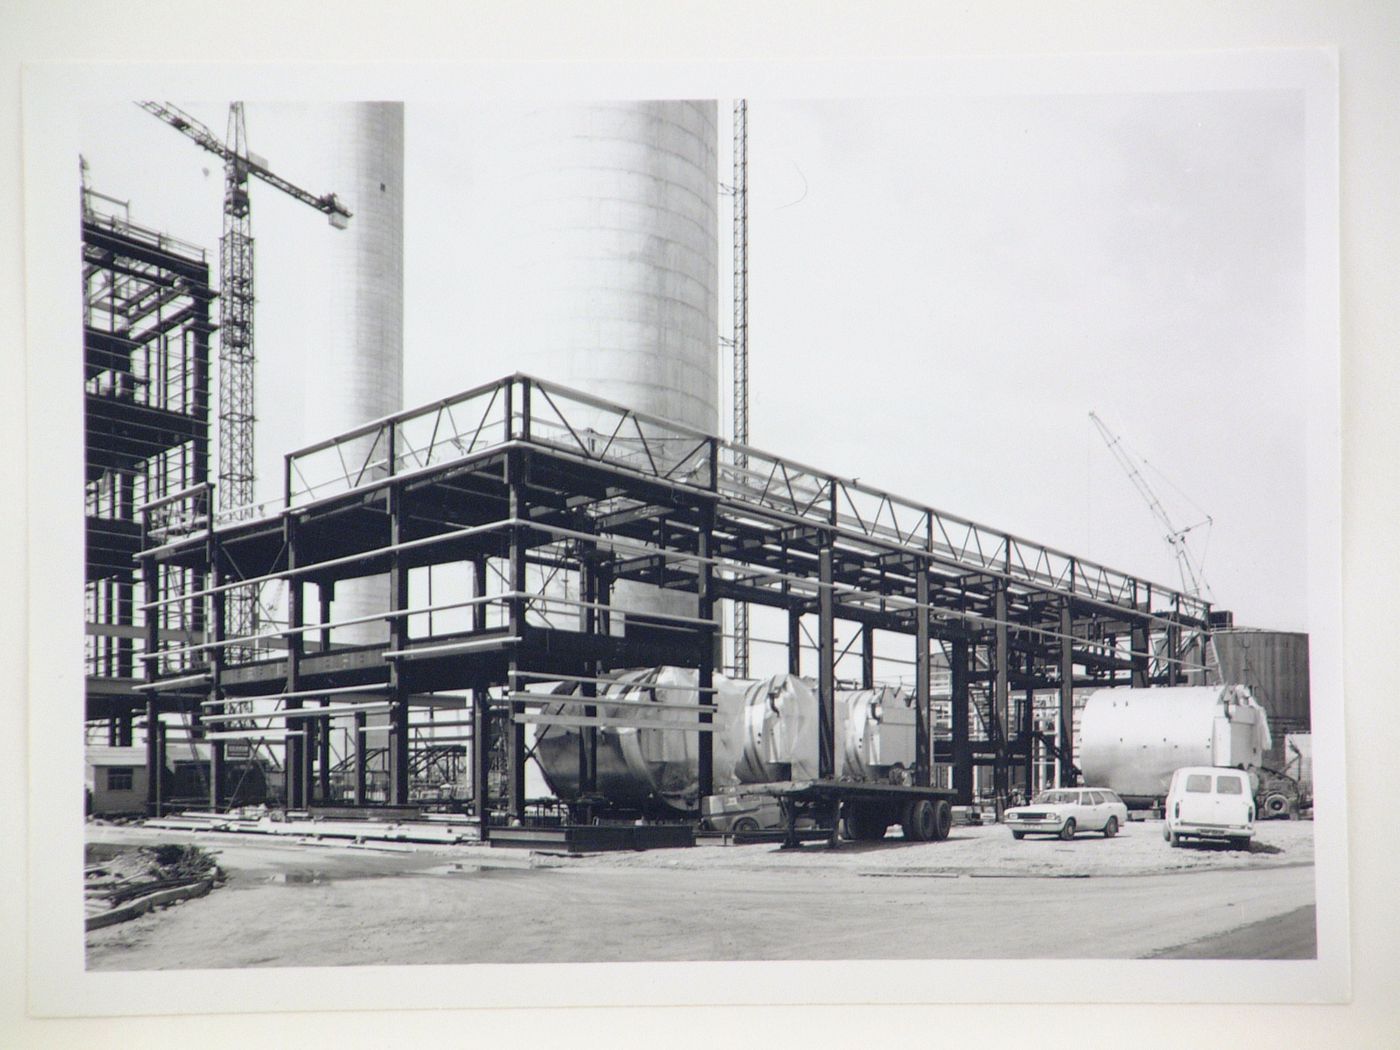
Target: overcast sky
[{"x": 941, "y": 291}]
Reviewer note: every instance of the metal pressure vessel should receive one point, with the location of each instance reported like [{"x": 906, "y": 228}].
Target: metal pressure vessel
[
  {"x": 875, "y": 731},
  {"x": 1132, "y": 740}
]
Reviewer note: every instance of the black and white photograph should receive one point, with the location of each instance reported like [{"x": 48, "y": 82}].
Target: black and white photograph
[{"x": 875, "y": 523}]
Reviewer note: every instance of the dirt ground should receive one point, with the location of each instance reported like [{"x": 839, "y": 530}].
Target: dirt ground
[{"x": 1129, "y": 897}]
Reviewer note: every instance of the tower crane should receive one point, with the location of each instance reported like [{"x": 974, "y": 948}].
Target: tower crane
[
  {"x": 1193, "y": 581},
  {"x": 740, "y": 341},
  {"x": 236, "y": 356}
]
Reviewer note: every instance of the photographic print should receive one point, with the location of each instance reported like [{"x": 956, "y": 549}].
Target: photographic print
[{"x": 761, "y": 518}]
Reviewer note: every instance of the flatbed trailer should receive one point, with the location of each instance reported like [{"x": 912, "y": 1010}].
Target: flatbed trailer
[{"x": 925, "y": 813}]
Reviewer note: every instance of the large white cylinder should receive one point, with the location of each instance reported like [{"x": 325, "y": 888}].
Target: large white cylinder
[
  {"x": 611, "y": 249},
  {"x": 355, "y": 373}
]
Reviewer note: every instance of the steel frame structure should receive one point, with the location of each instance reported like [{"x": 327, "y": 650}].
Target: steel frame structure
[
  {"x": 530, "y": 485},
  {"x": 146, "y": 333}
]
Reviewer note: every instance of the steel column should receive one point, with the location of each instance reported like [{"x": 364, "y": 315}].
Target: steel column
[
  {"x": 826, "y": 665},
  {"x": 359, "y": 745},
  {"x": 155, "y": 759},
  {"x": 705, "y": 610},
  {"x": 323, "y": 757},
  {"x": 295, "y": 756},
  {"x": 515, "y": 738},
  {"x": 218, "y": 624},
  {"x": 481, "y": 713},
  {"x": 959, "y": 655},
  {"x": 1140, "y": 643},
  {"x": 398, "y": 640},
  {"x": 923, "y": 748},
  {"x": 1067, "y": 777},
  {"x": 1001, "y": 697},
  {"x": 794, "y": 645}
]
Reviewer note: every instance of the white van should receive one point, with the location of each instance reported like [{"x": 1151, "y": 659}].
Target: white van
[{"x": 1208, "y": 802}]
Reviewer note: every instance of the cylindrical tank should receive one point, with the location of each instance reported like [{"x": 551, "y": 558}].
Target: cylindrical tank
[
  {"x": 765, "y": 730},
  {"x": 875, "y": 730},
  {"x": 1132, "y": 740},
  {"x": 355, "y": 373}
]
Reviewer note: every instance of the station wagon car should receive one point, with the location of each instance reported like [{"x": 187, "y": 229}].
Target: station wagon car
[{"x": 1065, "y": 811}]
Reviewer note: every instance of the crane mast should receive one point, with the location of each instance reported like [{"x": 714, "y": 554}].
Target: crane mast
[
  {"x": 1192, "y": 578},
  {"x": 741, "y": 342},
  {"x": 236, "y": 297}
]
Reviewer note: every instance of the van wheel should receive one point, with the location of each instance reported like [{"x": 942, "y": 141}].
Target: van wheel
[
  {"x": 1067, "y": 832},
  {"x": 1018, "y": 834},
  {"x": 1172, "y": 839},
  {"x": 743, "y": 826},
  {"x": 1239, "y": 843},
  {"x": 1111, "y": 828}
]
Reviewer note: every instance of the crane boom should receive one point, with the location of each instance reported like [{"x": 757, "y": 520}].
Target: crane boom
[
  {"x": 248, "y": 164},
  {"x": 1192, "y": 578}
]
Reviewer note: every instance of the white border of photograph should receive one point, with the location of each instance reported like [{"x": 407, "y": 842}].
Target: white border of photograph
[{"x": 59, "y": 983}]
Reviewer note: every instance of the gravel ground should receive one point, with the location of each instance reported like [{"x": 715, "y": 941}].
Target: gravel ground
[{"x": 1138, "y": 849}]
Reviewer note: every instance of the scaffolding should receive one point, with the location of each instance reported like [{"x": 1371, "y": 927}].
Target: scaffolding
[{"x": 544, "y": 501}]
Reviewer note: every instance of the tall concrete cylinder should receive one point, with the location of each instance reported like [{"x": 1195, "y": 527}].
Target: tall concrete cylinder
[
  {"x": 355, "y": 372},
  {"x": 609, "y": 249}
]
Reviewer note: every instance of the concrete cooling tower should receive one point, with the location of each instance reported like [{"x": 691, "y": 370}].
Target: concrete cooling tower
[{"x": 356, "y": 372}]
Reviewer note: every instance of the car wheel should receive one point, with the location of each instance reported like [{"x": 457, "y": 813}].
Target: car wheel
[
  {"x": 1111, "y": 828},
  {"x": 1067, "y": 832},
  {"x": 1018, "y": 834},
  {"x": 743, "y": 826}
]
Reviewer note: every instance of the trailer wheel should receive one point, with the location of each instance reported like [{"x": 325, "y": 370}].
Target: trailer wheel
[
  {"x": 942, "y": 820},
  {"x": 1276, "y": 806},
  {"x": 865, "y": 823},
  {"x": 919, "y": 825}
]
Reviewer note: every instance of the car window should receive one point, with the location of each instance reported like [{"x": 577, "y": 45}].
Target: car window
[
  {"x": 1229, "y": 785},
  {"x": 1113, "y": 797},
  {"x": 1198, "y": 783},
  {"x": 1093, "y": 798}
]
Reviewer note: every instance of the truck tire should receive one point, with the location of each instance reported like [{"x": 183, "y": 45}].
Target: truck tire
[
  {"x": 866, "y": 823},
  {"x": 918, "y": 821},
  {"x": 942, "y": 820}
]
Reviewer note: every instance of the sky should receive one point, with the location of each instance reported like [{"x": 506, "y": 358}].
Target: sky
[{"x": 941, "y": 290}]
